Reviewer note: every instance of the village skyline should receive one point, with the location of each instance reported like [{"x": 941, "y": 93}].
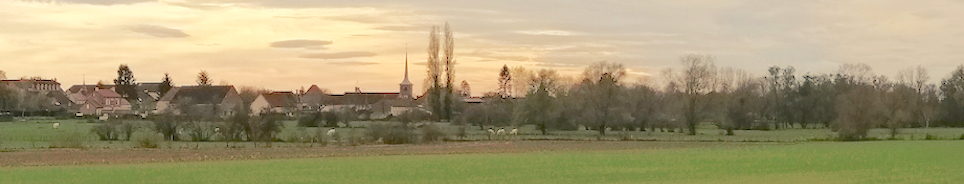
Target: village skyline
[{"x": 340, "y": 45}]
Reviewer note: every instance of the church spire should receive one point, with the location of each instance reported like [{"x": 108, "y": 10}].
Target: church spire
[
  {"x": 405, "y": 81},
  {"x": 405, "y": 88}
]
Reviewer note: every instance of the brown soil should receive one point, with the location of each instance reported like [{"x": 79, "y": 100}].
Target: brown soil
[{"x": 55, "y": 157}]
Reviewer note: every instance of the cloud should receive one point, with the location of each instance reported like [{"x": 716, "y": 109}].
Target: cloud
[
  {"x": 338, "y": 55},
  {"x": 158, "y": 31},
  {"x": 404, "y": 28},
  {"x": 92, "y": 2},
  {"x": 353, "y": 63},
  {"x": 547, "y": 32},
  {"x": 300, "y": 43},
  {"x": 486, "y": 55}
]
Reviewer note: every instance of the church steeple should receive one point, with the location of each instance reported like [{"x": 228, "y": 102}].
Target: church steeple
[{"x": 405, "y": 88}]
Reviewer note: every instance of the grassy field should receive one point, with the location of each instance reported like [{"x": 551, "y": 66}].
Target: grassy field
[
  {"x": 39, "y": 134},
  {"x": 815, "y": 162}
]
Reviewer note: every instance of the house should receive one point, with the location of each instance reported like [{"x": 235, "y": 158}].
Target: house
[
  {"x": 215, "y": 100},
  {"x": 105, "y": 101},
  {"x": 314, "y": 99},
  {"x": 149, "y": 91},
  {"x": 46, "y": 92},
  {"x": 78, "y": 93},
  {"x": 41, "y": 86},
  {"x": 281, "y": 102},
  {"x": 60, "y": 101},
  {"x": 393, "y": 107},
  {"x": 378, "y": 105}
]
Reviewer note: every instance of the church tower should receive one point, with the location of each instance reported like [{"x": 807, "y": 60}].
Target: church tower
[{"x": 405, "y": 88}]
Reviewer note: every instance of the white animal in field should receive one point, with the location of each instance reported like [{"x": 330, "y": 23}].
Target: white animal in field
[
  {"x": 331, "y": 132},
  {"x": 56, "y": 125},
  {"x": 609, "y": 129},
  {"x": 217, "y": 129},
  {"x": 500, "y": 132},
  {"x": 491, "y": 132},
  {"x": 514, "y": 131}
]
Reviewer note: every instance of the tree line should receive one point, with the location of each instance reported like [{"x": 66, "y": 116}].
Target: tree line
[{"x": 849, "y": 101}]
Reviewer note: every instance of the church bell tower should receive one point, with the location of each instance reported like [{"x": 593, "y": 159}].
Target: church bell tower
[{"x": 405, "y": 88}]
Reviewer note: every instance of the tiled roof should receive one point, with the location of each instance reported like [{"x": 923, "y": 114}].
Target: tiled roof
[
  {"x": 202, "y": 94},
  {"x": 281, "y": 99},
  {"x": 77, "y": 88}
]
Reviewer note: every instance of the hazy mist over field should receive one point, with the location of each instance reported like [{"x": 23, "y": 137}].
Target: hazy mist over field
[{"x": 286, "y": 44}]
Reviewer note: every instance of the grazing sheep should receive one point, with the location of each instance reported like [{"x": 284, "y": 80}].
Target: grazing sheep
[
  {"x": 331, "y": 132},
  {"x": 501, "y": 131},
  {"x": 491, "y": 133},
  {"x": 514, "y": 132},
  {"x": 217, "y": 129},
  {"x": 56, "y": 125}
]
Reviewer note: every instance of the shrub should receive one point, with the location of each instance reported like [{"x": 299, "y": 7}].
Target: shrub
[
  {"x": 199, "y": 131},
  {"x": 166, "y": 125},
  {"x": 331, "y": 119},
  {"x": 432, "y": 133},
  {"x": 462, "y": 133},
  {"x": 146, "y": 139},
  {"x": 265, "y": 128},
  {"x": 71, "y": 139},
  {"x": 413, "y": 116},
  {"x": 297, "y": 135},
  {"x": 391, "y": 133},
  {"x": 113, "y": 130},
  {"x": 106, "y": 131},
  {"x": 126, "y": 129},
  {"x": 310, "y": 120},
  {"x": 336, "y": 137},
  {"x": 354, "y": 138}
]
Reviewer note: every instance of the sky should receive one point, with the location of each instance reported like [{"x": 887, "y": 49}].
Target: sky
[{"x": 342, "y": 44}]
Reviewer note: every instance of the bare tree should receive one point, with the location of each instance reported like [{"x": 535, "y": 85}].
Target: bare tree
[
  {"x": 434, "y": 93},
  {"x": 696, "y": 81},
  {"x": 250, "y": 93},
  {"x": 540, "y": 104},
  {"x": 899, "y": 101},
  {"x": 642, "y": 102},
  {"x": 924, "y": 106},
  {"x": 952, "y": 95},
  {"x": 858, "y": 110},
  {"x": 9, "y": 98},
  {"x": 729, "y": 105},
  {"x": 505, "y": 82},
  {"x": 857, "y": 73},
  {"x": 602, "y": 91},
  {"x": 521, "y": 77},
  {"x": 448, "y": 97},
  {"x": 781, "y": 84}
]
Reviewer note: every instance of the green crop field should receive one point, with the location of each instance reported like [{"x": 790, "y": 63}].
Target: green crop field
[
  {"x": 39, "y": 134},
  {"x": 815, "y": 162}
]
